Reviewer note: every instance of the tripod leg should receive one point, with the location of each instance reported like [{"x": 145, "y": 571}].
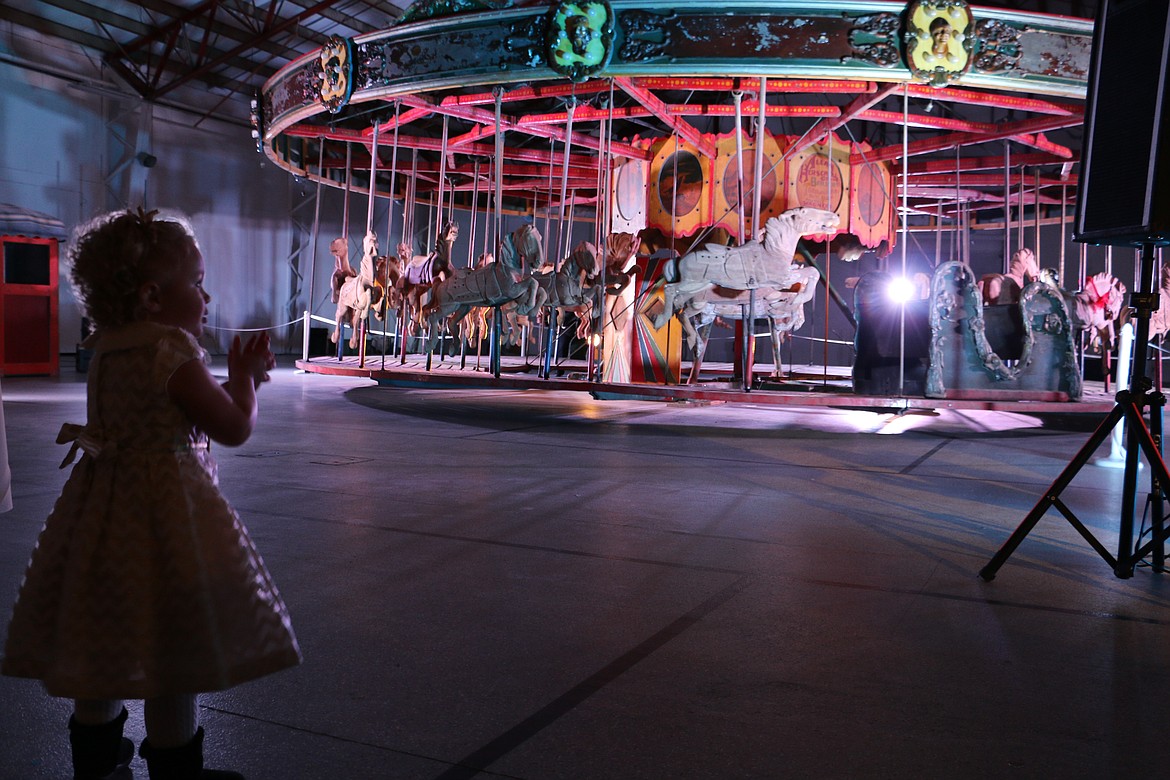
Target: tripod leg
[
  {"x": 1161, "y": 481},
  {"x": 1079, "y": 460},
  {"x": 1135, "y": 427}
]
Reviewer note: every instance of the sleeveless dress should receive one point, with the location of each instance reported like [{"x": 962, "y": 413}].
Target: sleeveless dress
[{"x": 143, "y": 581}]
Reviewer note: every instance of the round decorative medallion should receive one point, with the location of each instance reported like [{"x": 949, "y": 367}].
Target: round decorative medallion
[
  {"x": 579, "y": 38},
  {"x": 939, "y": 40},
  {"x": 336, "y": 74}
]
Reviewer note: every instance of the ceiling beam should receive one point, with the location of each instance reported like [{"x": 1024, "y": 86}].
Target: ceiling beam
[
  {"x": 95, "y": 14},
  {"x": 827, "y": 125},
  {"x": 344, "y": 135},
  {"x": 650, "y": 101},
  {"x": 480, "y": 116},
  {"x": 212, "y": 60},
  {"x": 940, "y": 143},
  {"x": 55, "y": 29},
  {"x": 991, "y": 163},
  {"x": 352, "y": 22}
]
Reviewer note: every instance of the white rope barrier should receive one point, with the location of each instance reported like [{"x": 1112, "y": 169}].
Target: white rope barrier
[
  {"x": 252, "y": 330},
  {"x": 331, "y": 323}
]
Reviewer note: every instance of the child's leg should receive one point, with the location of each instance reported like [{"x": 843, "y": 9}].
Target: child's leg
[
  {"x": 174, "y": 741},
  {"x": 94, "y": 712},
  {"x": 95, "y": 737},
  {"x": 170, "y": 720}
]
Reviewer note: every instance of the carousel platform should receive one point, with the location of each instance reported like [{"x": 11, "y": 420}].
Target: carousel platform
[{"x": 802, "y": 386}]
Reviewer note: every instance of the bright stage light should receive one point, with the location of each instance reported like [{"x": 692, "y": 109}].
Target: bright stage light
[{"x": 901, "y": 290}]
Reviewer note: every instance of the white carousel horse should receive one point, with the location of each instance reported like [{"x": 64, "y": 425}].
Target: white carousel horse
[
  {"x": 752, "y": 265},
  {"x": 1160, "y": 319},
  {"x": 784, "y": 310},
  {"x": 1006, "y": 288},
  {"x": 1098, "y": 307}
]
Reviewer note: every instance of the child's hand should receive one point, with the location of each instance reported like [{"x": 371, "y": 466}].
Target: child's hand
[{"x": 253, "y": 359}]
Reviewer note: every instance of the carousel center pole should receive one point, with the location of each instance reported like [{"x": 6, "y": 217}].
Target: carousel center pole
[
  {"x": 497, "y": 317},
  {"x": 345, "y": 232},
  {"x": 370, "y": 262},
  {"x": 389, "y": 229}
]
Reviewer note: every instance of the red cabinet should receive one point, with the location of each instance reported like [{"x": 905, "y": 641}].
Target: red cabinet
[{"x": 29, "y": 342}]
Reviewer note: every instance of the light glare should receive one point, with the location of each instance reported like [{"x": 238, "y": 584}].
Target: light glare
[{"x": 901, "y": 290}]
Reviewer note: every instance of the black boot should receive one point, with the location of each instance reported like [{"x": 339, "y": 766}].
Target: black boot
[
  {"x": 99, "y": 750},
  {"x": 184, "y": 762}
]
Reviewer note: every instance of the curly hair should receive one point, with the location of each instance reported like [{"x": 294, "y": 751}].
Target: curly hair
[{"x": 114, "y": 254}]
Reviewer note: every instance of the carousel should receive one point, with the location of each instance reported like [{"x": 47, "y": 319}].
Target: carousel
[{"x": 626, "y": 198}]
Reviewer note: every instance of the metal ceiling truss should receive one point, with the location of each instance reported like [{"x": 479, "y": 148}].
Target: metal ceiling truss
[{"x": 200, "y": 42}]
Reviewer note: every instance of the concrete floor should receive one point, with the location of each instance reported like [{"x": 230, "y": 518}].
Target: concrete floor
[{"x": 527, "y": 584}]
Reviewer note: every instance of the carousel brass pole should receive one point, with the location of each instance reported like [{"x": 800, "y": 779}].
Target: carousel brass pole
[
  {"x": 313, "y": 262},
  {"x": 345, "y": 232},
  {"x": 905, "y": 232},
  {"x": 408, "y": 202},
  {"x": 737, "y": 97},
  {"x": 471, "y": 257},
  {"x": 364, "y": 325},
  {"x": 1007, "y": 205},
  {"x": 497, "y": 319},
  {"x": 749, "y": 326},
  {"x": 564, "y": 238},
  {"x": 389, "y": 229}
]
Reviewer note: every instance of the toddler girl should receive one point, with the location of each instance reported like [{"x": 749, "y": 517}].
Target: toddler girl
[{"x": 143, "y": 583}]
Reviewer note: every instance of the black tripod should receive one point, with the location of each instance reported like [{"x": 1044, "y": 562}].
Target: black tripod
[{"x": 1140, "y": 439}]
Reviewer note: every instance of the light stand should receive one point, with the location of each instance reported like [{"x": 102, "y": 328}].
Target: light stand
[{"x": 1141, "y": 439}]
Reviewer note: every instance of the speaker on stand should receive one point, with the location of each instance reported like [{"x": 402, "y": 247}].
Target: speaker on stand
[{"x": 1123, "y": 199}]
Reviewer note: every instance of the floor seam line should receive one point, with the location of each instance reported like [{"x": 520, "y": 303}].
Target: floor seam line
[{"x": 476, "y": 761}]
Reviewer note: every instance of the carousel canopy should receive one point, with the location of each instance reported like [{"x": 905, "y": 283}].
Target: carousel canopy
[{"x": 953, "y": 108}]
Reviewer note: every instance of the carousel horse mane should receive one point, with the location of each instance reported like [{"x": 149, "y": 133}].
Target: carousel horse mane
[
  {"x": 620, "y": 251},
  {"x": 584, "y": 258},
  {"x": 1006, "y": 288},
  {"x": 782, "y": 232},
  {"x": 522, "y": 249}
]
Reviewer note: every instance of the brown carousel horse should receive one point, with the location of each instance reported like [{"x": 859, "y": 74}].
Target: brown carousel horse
[
  {"x": 1006, "y": 288},
  {"x": 476, "y": 325},
  {"x": 421, "y": 272},
  {"x": 371, "y": 289}
]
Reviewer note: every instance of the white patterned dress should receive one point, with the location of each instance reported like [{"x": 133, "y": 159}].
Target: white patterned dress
[{"x": 143, "y": 581}]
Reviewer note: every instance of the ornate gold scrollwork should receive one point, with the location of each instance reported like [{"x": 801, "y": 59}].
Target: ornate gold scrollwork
[{"x": 336, "y": 73}]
